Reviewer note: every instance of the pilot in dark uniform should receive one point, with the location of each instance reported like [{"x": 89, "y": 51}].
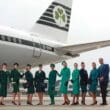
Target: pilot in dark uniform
[{"x": 103, "y": 79}]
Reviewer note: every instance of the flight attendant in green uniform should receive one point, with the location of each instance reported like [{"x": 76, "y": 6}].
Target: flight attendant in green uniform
[
  {"x": 65, "y": 74},
  {"x": 93, "y": 82},
  {"x": 51, "y": 83},
  {"x": 76, "y": 84},
  {"x": 4, "y": 76},
  {"x": 30, "y": 84},
  {"x": 15, "y": 77}
]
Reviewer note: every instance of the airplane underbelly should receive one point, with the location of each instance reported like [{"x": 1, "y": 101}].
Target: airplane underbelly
[{"x": 10, "y": 53}]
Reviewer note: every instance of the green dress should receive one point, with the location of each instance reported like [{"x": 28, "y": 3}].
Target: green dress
[
  {"x": 30, "y": 82},
  {"x": 15, "y": 77},
  {"x": 65, "y": 74},
  {"x": 76, "y": 84},
  {"x": 94, "y": 80},
  {"x": 52, "y": 82},
  {"x": 4, "y": 76},
  {"x": 51, "y": 85}
]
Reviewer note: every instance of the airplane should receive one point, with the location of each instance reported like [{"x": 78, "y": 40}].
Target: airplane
[{"x": 46, "y": 42}]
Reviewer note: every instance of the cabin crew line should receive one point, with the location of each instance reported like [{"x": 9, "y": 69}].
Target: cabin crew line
[{"x": 36, "y": 85}]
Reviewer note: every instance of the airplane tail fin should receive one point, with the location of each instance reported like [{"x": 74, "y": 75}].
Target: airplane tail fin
[{"x": 55, "y": 21}]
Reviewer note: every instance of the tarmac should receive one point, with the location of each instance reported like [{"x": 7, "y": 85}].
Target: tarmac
[{"x": 57, "y": 106}]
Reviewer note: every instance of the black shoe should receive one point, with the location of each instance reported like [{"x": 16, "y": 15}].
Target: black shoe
[
  {"x": 94, "y": 103},
  {"x": 29, "y": 103},
  {"x": 73, "y": 103},
  {"x": 103, "y": 104},
  {"x": 40, "y": 104},
  {"x": 68, "y": 102},
  {"x": 52, "y": 104},
  {"x": 77, "y": 103},
  {"x": 83, "y": 103},
  {"x": 2, "y": 103},
  {"x": 64, "y": 103},
  {"x": 14, "y": 103},
  {"x": 19, "y": 104}
]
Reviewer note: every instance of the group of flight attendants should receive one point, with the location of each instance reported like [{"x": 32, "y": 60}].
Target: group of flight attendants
[{"x": 80, "y": 79}]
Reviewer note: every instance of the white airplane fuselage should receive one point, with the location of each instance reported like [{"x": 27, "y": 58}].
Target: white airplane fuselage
[{"x": 17, "y": 46}]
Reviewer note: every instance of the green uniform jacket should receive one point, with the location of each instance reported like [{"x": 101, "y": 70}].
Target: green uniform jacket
[
  {"x": 76, "y": 84},
  {"x": 30, "y": 82},
  {"x": 65, "y": 74},
  {"x": 15, "y": 77},
  {"x": 94, "y": 80},
  {"x": 4, "y": 76},
  {"x": 52, "y": 82}
]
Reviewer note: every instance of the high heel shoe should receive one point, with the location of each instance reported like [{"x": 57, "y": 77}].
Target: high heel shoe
[
  {"x": 13, "y": 102},
  {"x": 2, "y": 103},
  {"x": 19, "y": 104},
  {"x": 77, "y": 103},
  {"x": 29, "y": 103},
  {"x": 68, "y": 102},
  {"x": 64, "y": 103},
  {"x": 94, "y": 103},
  {"x": 83, "y": 103},
  {"x": 40, "y": 104},
  {"x": 73, "y": 103}
]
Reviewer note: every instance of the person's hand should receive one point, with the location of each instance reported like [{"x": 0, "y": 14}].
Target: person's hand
[
  {"x": 101, "y": 78},
  {"x": 11, "y": 79}
]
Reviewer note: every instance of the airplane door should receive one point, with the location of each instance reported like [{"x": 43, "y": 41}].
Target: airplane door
[{"x": 37, "y": 51}]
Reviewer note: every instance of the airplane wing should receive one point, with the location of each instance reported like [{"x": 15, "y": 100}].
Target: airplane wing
[{"x": 75, "y": 50}]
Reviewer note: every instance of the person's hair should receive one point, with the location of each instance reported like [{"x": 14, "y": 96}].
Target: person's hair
[
  {"x": 4, "y": 64},
  {"x": 93, "y": 62},
  {"x": 29, "y": 65},
  {"x": 101, "y": 59},
  {"x": 16, "y": 64},
  {"x": 82, "y": 63},
  {"x": 40, "y": 65}
]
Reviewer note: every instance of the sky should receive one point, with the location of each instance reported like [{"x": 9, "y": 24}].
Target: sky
[{"x": 90, "y": 21}]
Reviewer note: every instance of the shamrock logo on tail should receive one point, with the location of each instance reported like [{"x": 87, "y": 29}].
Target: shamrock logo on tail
[{"x": 60, "y": 16}]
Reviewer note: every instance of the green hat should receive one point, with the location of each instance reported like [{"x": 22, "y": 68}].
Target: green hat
[
  {"x": 52, "y": 65},
  {"x": 63, "y": 62},
  {"x": 40, "y": 65}
]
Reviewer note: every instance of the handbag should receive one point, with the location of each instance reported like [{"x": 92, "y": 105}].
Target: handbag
[{"x": 25, "y": 85}]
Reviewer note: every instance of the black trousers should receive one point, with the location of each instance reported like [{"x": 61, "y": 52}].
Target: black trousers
[{"x": 103, "y": 86}]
